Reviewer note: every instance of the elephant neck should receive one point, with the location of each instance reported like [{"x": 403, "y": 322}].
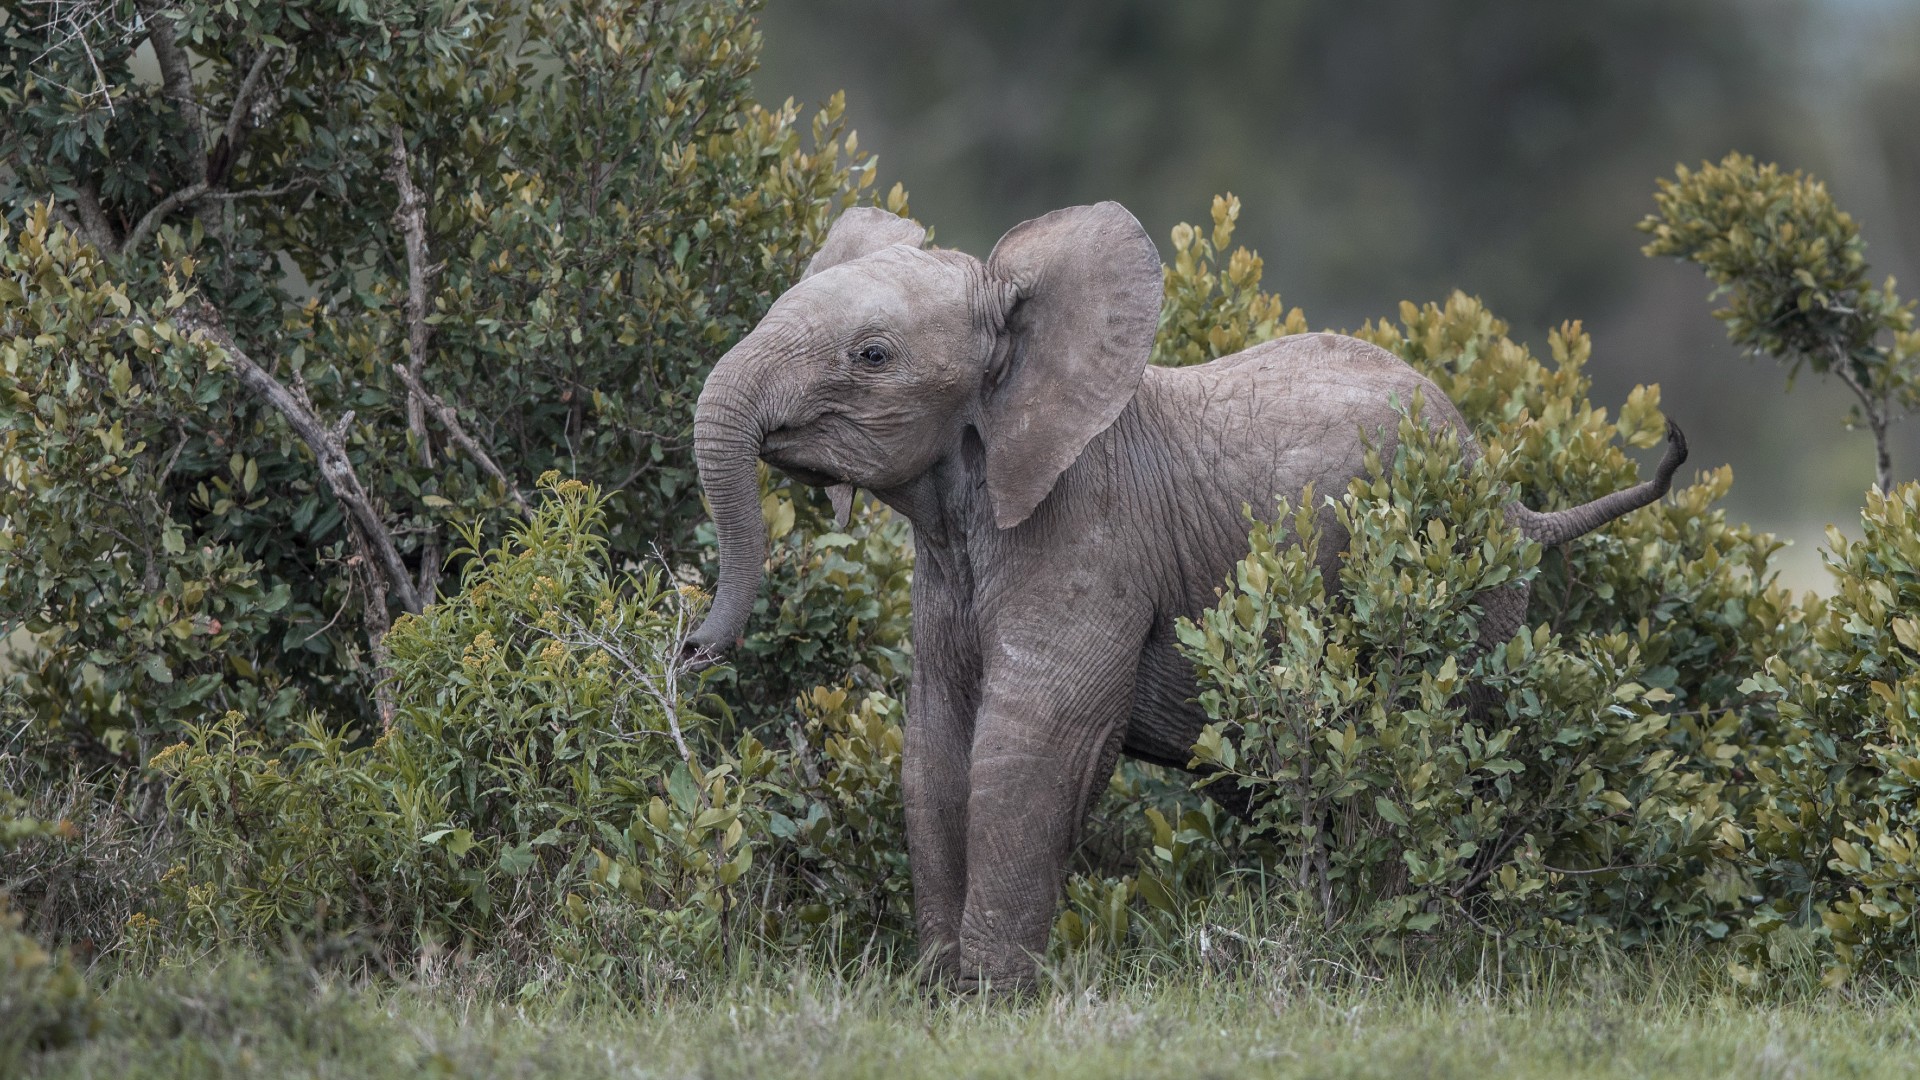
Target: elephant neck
[{"x": 948, "y": 500}]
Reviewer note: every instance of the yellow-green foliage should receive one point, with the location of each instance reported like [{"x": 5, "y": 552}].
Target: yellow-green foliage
[
  {"x": 1775, "y": 787},
  {"x": 552, "y": 784},
  {"x": 1871, "y": 642},
  {"x": 1835, "y": 814},
  {"x": 836, "y": 609},
  {"x": 1696, "y": 592},
  {"x": 1209, "y": 310},
  {"x": 1793, "y": 268},
  {"x": 1565, "y": 809}
]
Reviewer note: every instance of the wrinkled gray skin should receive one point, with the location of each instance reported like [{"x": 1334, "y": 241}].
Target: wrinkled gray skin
[{"x": 1068, "y": 502}]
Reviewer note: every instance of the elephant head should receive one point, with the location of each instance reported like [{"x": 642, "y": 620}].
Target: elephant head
[{"x": 869, "y": 370}]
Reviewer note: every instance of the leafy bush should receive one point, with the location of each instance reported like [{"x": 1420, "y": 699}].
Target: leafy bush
[
  {"x": 537, "y": 718},
  {"x": 1832, "y": 810},
  {"x": 43, "y": 1001},
  {"x": 1793, "y": 267},
  {"x": 136, "y": 618},
  {"x": 837, "y": 609},
  {"x": 597, "y": 204},
  {"x": 546, "y": 788},
  {"x": 1347, "y": 720},
  {"x": 1208, "y": 311}
]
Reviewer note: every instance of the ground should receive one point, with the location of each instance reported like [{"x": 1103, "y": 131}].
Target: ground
[{"x": 246, "y": 1018}]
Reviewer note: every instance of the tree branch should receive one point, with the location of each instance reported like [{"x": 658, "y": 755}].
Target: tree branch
[
  {"x": 412, "y": 217},
  {"x": 450, "y": 420},
  {"x": 243, "y": 100},
  {"x": 328, "y": 446},
  {"x": 176, "y": 79},
  {"x": 193, "y": 192},
  {"x": 225, "y": 152},
  {"x": 1876, "y": 416},
  {"x": 160, "y": 210},
  {"x": 98, "y": 229}
]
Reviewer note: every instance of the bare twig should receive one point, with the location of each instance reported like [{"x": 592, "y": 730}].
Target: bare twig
[
  {"x": 261, "y": 192},
  {"x": 450, "y": 420},
  {"x": 1875, "y": 413},
  {"x": 76, "y": 22},
  {"x": 1599, "y": 869},
  {"x": 194, "y": 192},
  {"x": 328, "y": 446},
  {"x": 243, "y": 101},
  {"x": 662, "y": 686},
  {"x": 160, "y": 210},
  {"x": 105, "y": 91}
]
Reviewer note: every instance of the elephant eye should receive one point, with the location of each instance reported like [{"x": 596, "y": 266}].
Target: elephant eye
[{"x": 872, "y": 355}]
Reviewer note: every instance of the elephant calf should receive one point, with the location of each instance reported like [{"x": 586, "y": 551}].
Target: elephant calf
[{"x": 1068, "y": 503}]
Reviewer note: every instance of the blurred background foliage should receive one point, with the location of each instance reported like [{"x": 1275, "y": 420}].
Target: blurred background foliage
[{"x": 1395, "y": 149}]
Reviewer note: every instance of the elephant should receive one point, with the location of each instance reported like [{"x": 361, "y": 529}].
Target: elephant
[{"x": 1068, "y": 503}]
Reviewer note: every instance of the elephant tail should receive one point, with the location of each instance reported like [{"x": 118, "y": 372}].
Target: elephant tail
[{"x": 1560, "y": 526}]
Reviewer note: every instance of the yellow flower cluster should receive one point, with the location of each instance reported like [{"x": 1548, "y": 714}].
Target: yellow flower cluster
[
  {"x": 479, "y": 651},
  {"x": 169, "y": 757}
]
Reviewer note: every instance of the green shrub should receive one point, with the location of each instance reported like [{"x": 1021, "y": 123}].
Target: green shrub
[
  {"x": 1833, "y": 806},
  {"x": 1793, "y": 267},
  {"x": 1208, "y": 311},
  {"x": 836, "y": 610},
  {"x": 44, "y": 1002},
  {"x": 136, "y": 618},
  {"x": 537, "y": 719},
  {"x": 603, "y": 206},
  {"x": 1565, "y": 809},
  {"x": 548, "y": 790}
]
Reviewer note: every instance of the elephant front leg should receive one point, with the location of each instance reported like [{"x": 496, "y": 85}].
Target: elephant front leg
[
  {"x": 939, "y": 739},
  {"x": 934, "y": 774},
  {"x": 1039, "y": 753}
]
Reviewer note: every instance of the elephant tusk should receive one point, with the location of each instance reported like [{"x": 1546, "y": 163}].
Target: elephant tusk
[{"x": 841, "y": 496}]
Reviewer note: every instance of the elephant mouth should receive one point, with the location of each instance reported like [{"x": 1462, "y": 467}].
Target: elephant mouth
[
  {"x": 809, "y": 477},
  {"x": 781, "y": 455}
]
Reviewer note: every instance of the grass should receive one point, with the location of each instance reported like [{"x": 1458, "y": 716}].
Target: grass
[{"x": 1269, "y": 1016}]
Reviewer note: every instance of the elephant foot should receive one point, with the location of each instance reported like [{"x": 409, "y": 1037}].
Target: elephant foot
[
  {"x": 1010, "y": 989},
  {"x": 996, "y": 969}
]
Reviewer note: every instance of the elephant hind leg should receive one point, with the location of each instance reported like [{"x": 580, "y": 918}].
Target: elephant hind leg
[{"x": 1502, "y": 612}]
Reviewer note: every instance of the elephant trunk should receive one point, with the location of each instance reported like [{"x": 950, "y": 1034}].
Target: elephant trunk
[
  {"x": 730, "y": 423},
  {"x": 1560, "y": 526}
]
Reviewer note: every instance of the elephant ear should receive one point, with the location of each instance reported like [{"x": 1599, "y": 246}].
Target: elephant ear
[
  {"x": 1085, "y": 292},
  {"x": 861, "y": 231}
]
